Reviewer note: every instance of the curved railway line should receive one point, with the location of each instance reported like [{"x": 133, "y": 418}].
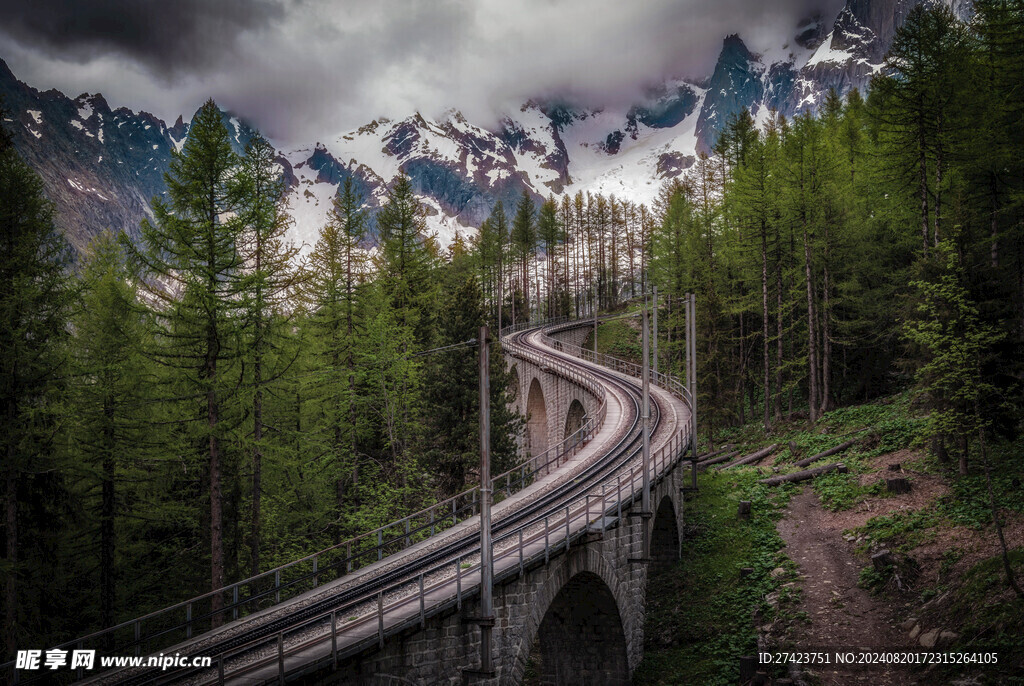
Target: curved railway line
[{"x": 315, "y": 630}]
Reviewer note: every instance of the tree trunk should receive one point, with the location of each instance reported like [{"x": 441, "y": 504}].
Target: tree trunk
[
  {"x": 764, "y": 324},
  {"x": 812, "y": 357},
  {"x": 800, "y": 476},
  {"x": 753, "y": 457},
  {"x": 922, "y": 162},
  {"x": 107, "y": 579},
  {"x": 831, "y": 451}
]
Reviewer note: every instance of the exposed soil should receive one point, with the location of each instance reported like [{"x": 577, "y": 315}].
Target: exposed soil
[{"x": 842, "y": 615}]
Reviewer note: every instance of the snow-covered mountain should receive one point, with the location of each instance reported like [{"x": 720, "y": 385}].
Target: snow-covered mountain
[{"x": 101, "y": 167}]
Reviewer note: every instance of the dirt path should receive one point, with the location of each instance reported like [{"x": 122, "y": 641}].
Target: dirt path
[{"x": 842, "y": 614}]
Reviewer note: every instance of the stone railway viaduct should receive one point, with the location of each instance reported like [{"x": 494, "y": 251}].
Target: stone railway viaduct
[
  {"x": 580, "y": 614},
  {"x": 569, "y": 595}
]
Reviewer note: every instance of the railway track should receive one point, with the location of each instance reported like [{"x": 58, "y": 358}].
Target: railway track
[{"x": 307, "y": 634}]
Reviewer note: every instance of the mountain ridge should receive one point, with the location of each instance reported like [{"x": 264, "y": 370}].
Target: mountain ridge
[{"x": 101, "y": 167}]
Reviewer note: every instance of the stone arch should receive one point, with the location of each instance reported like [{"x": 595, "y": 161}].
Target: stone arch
[
  {"x": 574, "y": 418},
  {"x": 665, "y": 534},
  {"x": 536, "y": 419},
  {"x": 581, "y": 636}
]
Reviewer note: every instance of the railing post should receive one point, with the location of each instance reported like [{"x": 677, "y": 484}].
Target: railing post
[
  {"x": 138, "y": 631},
  {"x": 316, "y": 572},
  {"x": 277, "y": 586},
  {"x": 458, "y": 582},
  {"x": 334, "y": 638},
  {"x": 423, "y": 612},
  {"x": 348, "y": 557},
  {"x": 567, "y": 527},
  {"x": 380, "y": 545},
  {"x": 380, "y": 620},
  {"x": 234, "y": 602},
  {"x": 547, "y": 547},
  {"x": 280, "y": 657},
  {"x": 406, "y": 532},
  {"x": 520, "y": 551},
  {"x": 220, "y": 669},
  {"x": 188, "y": 621}
]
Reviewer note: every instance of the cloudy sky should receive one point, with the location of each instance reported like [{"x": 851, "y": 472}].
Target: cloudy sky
[{"x": 305, "y": 69}]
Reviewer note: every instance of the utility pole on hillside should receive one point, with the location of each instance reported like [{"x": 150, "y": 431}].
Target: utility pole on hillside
[
  {"x": 486, "y": 618},
  {"x": 645, "y": 428},
  {"x": 655, "y": 352}
]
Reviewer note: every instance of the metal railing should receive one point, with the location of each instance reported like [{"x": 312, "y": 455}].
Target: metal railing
[{"x": 449, "y": 583}]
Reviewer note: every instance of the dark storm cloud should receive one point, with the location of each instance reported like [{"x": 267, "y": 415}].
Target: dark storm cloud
[
  {"x": 304, "y": 70},
  {"x": 168, "y": 36}
]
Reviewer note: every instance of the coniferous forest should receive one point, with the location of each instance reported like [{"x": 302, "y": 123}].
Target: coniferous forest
[{"x": 191, "y": 407}]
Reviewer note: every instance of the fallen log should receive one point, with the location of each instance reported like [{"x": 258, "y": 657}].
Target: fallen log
[
  {"x": 706, "y": 456},
  {"x": 800, "y": 476},
  {"x": 753, "y": 457},
  {"x": 716, "y": 460},
  {"x": 831, "y": 451}
]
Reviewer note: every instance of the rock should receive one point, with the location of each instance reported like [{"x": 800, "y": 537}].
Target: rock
[
  {"x": 948, "y": 637},
  {"x": 772, "y": 598},
  {"x": 927, "y": 640},
  {"x": 849, "y": 538},
  {"x": 915, "y": 631},
  {"x": 778, "y": 573},
  {"x": 909, "y": 623}
]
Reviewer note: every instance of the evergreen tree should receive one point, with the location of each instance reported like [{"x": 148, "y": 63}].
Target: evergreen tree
[
  {"x": 36, "y": 295},
  {"x": 112, "y": 391},
  {"x": 451, "y": 391},
  {"x": 524, "y": 243},
  {"x": 193, "y": 268},
  {"x": 405, "y": 262},
  {"x": 269, "y": 282}
]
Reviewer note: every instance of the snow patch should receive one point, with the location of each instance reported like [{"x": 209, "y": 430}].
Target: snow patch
[
  {"x": 826, "y": 53},
  {"x": 37, "y": 115}
]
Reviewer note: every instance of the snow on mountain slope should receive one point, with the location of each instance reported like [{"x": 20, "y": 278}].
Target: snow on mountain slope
[{"x": 102, "y": 167}]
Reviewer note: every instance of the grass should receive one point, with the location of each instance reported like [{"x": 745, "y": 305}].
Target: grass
[
  {"x": 618, "y": 339},
  {"x": 699, "y": 610}
]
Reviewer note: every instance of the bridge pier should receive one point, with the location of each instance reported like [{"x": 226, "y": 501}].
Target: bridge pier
[{"x": 585, "y": 609}]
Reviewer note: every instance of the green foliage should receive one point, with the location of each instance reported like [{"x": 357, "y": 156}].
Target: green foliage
[{"x": 698, "y": 613}]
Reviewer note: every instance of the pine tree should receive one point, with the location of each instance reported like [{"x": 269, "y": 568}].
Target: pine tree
[
  {"x": 451, "y": 391},
  {"x": 112, "y": 383},
  {"x": 268, "y": 283},
  {"x": 36, "y": 296},
  {"x": 404, "y": 262},
  {"x": 523, "y": 239},
  {"x": 549, "y": 231},
  {"x": 332, "y": 293},
  {"x": 194, "y": 270}
]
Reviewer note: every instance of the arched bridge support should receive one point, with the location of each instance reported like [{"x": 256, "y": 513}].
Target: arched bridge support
[{"x": 584, "y": 610}]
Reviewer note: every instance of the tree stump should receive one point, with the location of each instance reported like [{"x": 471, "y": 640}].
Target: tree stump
[
  {"x": 897, "y": 486},
  {"x": 745, "y": 572},
  {"x": 882, "y": 560},
  {"x": 744, "y": 509},
  {"x": 792, "y": 448},
  {"x": 841, "y": 468},
  {"x": 895, "y": 467}
]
